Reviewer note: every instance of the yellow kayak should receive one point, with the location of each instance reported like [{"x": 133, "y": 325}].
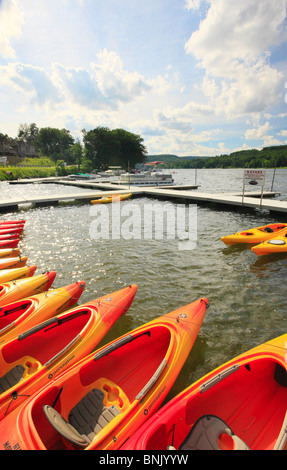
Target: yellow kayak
[
  {"x": 112, "y": 198},
  {"x": 255, "y": 235},
  {"x": 275, "y": 245},
  {"x": 8, "y": 275}
]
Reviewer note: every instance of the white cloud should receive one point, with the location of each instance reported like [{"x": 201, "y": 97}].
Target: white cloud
[
  {"x": 234, "y": 51},
  {"x": 258, "y": 133},
  {"x": 11, "y": 21},
  {"x": 33, "y": 84}
]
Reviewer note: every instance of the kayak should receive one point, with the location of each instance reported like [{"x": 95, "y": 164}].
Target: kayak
[
  {"x": 104, "y": 398},
  {"x": 11, "y": 231},
  {"x": 9, "y": 236},
  {"x": 112, "y": 198},
  {"x": 241, "y": 405},
  {"x": 7, "y": 275},
  {"x": 12, "y": 222},
  {"x": 255, "y": 235},
  {"x": 9, "y": 252},
  {"x": 39, "y": 355},
  {"x": 9, "y": 243},
  {"x": 17, "y": 317},
  {"x": 21, "y": 288},
  {"x": 7, "y": 263},
  {"x": 275, "y": 245}
]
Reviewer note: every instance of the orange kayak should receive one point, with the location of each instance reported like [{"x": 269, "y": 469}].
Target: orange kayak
[
  {"x": 8, "y": 275},
  {"x": 119, "y": 387},
  {"x": 12, "y": 243},
  {"x": 7, "y": 263},
  {"x": 275, "y": 245},
  {"x": 38, "y": 356},
  {"x": 17, "y": 317},
  {"x": 240, "y": 405},
  {"x": 19, "y": 289},
  {"x": 9, "y": 252},
  {"x": 255, "y": 235}
]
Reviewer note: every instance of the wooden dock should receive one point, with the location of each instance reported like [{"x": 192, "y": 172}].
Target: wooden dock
[{"x": 184, "y": 194}]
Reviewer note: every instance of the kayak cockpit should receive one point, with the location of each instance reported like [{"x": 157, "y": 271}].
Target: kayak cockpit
[
  {"x": 10, "y": 313},
  {"x": 39, "y": 347},
  {"x": 103, "y": 390}
]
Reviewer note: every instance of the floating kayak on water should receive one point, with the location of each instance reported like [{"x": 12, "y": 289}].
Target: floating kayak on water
[
  {"x": 239, "y": 406},
  {"x": 12, "y": 243},
  {"x": 8, "y": 275},
  {"x": 36, "y": 357},
  {"x": 7, "y": 263},
  {"x": 275, "y": 245},
  {"x": 119, "y": 387},
  {"x": 12, "y": 222},
  {"x": 255, "y": 235},
  {"x": 9, "y": 236},
  {"x": 11, "y": 231},
  {"x": 9, "y": 252},
  {"x": 19, "y": 289},
  {"x": 112, "y": 198},
  {"x": 17, "y": 317}
]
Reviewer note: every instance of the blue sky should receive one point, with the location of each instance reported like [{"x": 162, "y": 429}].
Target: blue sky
[{"x": 192, "y": 77}]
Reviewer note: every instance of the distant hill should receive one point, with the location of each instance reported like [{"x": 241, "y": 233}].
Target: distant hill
[{"x": 268, "y": 157}]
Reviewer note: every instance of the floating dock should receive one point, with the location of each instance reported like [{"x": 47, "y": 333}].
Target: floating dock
[{"x": 185, "y": 194}]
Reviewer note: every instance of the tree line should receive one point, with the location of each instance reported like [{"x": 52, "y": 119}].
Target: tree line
[
  {"x": 268, "y": 157},
  {"x": 101, "y": 147}
]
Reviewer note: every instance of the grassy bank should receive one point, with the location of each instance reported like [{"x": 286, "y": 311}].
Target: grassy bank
[{"x": 13, "y": 172}]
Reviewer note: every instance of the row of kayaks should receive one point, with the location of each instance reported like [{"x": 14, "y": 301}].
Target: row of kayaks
[
  {"x": 59, "y": 392},
  {"x": 268, "y": 239},
  {"x": 10, "y": 232}
]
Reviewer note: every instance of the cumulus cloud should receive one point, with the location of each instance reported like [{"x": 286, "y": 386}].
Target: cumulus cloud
[
  {"x": 33, "y": 83},
  {"x": 11, "y": 21},
  {"x": 234, "y": 50}
]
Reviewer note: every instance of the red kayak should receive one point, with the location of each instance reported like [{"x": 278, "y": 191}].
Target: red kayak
[
  {"x": 12, "y": 222},
  {"x": 11, "y": 231},
  {"x": 9, "y": 243}
]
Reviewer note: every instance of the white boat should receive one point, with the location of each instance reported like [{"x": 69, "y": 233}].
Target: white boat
[
  {"x": 154, "y": 177},
  {"x": 147, "y": 178}
]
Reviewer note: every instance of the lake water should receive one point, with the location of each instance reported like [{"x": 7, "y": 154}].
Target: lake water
[{"x": 247, "y": 294}]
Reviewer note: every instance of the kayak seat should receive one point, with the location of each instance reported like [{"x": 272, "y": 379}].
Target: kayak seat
[
  {"x": 212, "y": 433},
  {"x": 11, "y": 378},
  {"x": 85, "y": 420}
]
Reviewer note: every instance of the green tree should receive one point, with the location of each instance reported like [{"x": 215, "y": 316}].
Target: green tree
[
  {"x": 55, "y": 143},
  {"x": 28, "y": 132}
]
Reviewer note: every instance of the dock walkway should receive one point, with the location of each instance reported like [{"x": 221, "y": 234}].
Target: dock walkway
[{"x": 185, "y": 194}]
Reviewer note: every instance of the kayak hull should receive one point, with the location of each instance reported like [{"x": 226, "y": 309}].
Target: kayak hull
[
  {"x": 131, "y": 375},
  {"x": 19, "y": 316},
  {"x": 9, "y": 243},
  {"x": 9, "y": 252},
  {"x": 18, "y": 262},
  {"x": 255, "y": 235},
  {"x": 249, "y": 393},
  {"x": 21, "y": 288},
  {"x": 51, "y": 347},
  {"x": 275, "y": 245},
  {"x": 111, "y": 199},
  {"x": 8, "y": 275}
]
